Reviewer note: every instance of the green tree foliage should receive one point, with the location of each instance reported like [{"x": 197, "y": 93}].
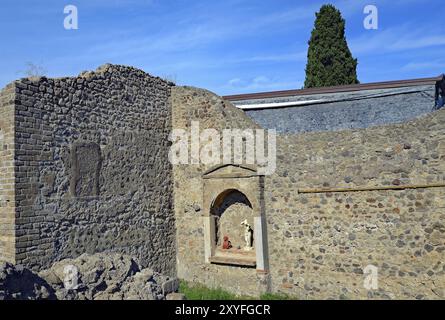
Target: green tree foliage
[{"x": 330, "y": 61}]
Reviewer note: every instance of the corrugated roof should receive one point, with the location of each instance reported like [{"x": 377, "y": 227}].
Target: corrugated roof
[{"x": 335, "y": 89}]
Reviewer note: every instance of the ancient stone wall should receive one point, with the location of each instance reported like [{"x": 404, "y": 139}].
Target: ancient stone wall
[
  {"x": 85, "y": 169},
  {"x": 92, "y": 168},
  {"x": 320, "y": 244},
  {"x": 191, "y": 104},
  {"x": 7, "y": 193}
]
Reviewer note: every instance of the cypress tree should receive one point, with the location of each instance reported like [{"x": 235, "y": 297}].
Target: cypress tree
[{"x": 330, "y": 61}]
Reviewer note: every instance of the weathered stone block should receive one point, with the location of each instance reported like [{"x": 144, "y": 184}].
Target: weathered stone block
[{"x": 170, "y": 286}]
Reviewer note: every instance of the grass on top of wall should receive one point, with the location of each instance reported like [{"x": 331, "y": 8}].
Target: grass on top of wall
[{"x": 201, "y": 292}]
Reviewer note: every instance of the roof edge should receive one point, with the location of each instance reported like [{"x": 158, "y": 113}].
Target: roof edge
[{"x": 336, "y": 89}]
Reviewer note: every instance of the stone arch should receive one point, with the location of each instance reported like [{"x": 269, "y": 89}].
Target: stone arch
[{"x": 218, "y": 200}]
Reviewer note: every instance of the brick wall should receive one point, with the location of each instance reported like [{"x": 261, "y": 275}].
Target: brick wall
[
  {"x": 7, "y": 194},
  {"x": 92, "y": 168}
]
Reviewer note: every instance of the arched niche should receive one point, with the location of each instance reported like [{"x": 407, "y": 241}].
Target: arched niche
[
  {"x": 228, "y": 210},
  {"x": 233, "y": 194}
]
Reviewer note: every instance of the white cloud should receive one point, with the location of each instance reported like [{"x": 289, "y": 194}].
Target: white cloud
[
  {"x": 429, "y": 65},
  {"x": 260, "y": 80},
  {"x": 401, "y": 38},
  {"x": 259, "y": 83},
  {"x": 299, "y": 56},
  {"x": 413, "y": 42},
  {"x": 236, "y": 82}
]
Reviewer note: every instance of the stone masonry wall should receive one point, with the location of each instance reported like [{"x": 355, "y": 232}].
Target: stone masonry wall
[
  {"x": 319, "y": 244},
  {"x": 92, "y": 168},
  {"x": 7, "y": 193},
  {"x": 191, "y": 104},
  {"x": 84, "y": 169}
]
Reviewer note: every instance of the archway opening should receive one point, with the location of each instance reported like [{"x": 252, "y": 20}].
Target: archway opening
[{"x": 229, "y": 209}]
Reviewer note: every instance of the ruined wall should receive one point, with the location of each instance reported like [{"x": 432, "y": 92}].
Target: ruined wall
[
  {"x": 85, "y": 169},
  {"x": 92, "y": 168},
  {"x": 319, "y": 244},
  {"x": 191, "y": 104},
  {"x": 7, "y": 193}
]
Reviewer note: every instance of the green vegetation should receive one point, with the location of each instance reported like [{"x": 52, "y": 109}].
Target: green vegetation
[
  {"x": 200, "y": 292},
  {"x": 330, "y": 61},
  {"x": 276, "y": 296}
]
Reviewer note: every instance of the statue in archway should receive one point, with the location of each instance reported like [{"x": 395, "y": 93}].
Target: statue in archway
[{"x": 248, "y": 235}]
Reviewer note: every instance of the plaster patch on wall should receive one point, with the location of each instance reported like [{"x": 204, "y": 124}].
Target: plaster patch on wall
[{"x": 86, "y": 163}]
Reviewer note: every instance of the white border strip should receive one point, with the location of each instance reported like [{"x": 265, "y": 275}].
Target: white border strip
[{"x": 276, "y": 104}]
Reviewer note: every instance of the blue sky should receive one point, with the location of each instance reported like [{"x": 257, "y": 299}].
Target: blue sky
[{"x": 230, "y": 46}]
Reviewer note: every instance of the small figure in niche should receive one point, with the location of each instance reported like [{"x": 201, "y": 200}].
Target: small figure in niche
[
  {"x": 248, "y": 235},
  {"x": 226, "y": 244}
]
